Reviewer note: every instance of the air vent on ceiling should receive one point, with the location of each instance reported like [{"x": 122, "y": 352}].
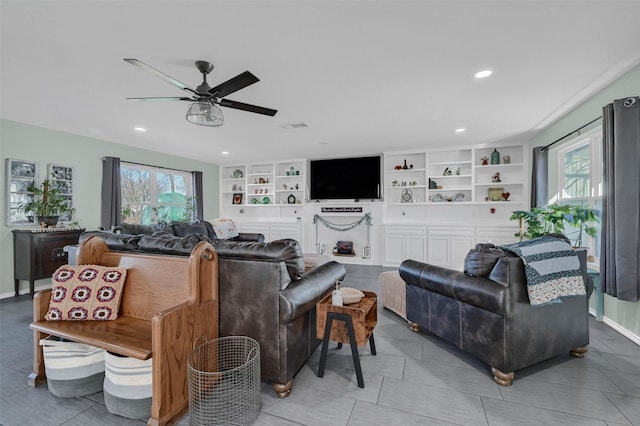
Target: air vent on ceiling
[{"x": 296, "y": 125}]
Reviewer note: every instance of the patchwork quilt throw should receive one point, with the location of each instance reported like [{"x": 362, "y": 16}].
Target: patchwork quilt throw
[{"x": 552, "y": 269}]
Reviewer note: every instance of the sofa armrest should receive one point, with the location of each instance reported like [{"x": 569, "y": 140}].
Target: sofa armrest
[
  {"x": 249, "y": 236},
  {"x": 481, "y": 292},
  {"x": 301, "y": 296}
]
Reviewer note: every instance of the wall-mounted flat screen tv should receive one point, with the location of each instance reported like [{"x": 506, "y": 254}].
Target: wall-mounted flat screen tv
[{"x": 357, "y": 178}]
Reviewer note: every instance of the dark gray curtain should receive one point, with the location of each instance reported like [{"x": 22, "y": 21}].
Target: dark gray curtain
[
  {"x": 540, "y": 177},
  {"x": 197, "y": 192},
  {"x": 620, "y": 246},
  {"x": 111, "y": 214}
]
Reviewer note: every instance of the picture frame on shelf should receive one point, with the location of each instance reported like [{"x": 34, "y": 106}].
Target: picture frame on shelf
[
  {"x": 495, "y": 194},
  {"x": 21, "y": 175},
  {"x": 237, "y": 198}
]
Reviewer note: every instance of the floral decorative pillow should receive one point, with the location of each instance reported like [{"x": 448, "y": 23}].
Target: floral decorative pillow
[
  {"x": 224, "y": 228},
  {"x": 86, "y": 292}
]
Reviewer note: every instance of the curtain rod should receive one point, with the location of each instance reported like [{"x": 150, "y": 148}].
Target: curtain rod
[
  {"x": 570, "y": 133},
  {"x": 150, "y": 165}
]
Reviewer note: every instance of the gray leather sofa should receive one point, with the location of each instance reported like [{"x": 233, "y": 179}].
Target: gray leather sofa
[
  {"x": 489, "y": 316},
  {"x": 264, "y": 293}
]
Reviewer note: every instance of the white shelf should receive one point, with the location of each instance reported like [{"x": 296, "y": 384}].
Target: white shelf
[
  {"x": 448, "y": 176},
  {"x": 450, "y": 163},
  {"x": 453, "y": 188}
]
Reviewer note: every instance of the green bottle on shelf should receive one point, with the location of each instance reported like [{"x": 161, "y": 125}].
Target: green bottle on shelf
[{"x": 495, "y": 157}]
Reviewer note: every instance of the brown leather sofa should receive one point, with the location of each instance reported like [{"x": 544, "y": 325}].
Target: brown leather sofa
[
  {"x": 490, "y": 317},
  {"x": 264, "y": 293}
]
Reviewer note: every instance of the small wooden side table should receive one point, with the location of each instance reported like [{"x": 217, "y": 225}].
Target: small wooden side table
[{"x": 351, "y": 324}]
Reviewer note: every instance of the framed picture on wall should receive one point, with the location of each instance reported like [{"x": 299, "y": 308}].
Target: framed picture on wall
[{"x": 21, "y": 175}]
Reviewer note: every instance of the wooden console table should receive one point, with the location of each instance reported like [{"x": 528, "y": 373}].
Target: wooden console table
[
  {"x": 351, "y": 324},
  {"x": 38, "y": 253}
]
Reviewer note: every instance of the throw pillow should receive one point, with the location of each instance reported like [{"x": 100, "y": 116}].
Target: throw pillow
[
  {"x": 86, "y": 292},
  {"x": 184, "y": 229},
  {"x": 224, "y": 228},
  {"x": 480, "y": 261}
]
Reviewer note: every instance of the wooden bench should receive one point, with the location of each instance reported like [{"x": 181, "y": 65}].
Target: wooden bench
[{"x": 167, "y": 302}]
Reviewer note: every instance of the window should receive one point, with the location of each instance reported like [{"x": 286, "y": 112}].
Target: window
[
  {"x": 152, "y": 194},
  {"x": 580, "y": 179}
]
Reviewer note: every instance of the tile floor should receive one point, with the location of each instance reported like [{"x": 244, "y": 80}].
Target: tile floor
[{"x": 415, "y": 379}]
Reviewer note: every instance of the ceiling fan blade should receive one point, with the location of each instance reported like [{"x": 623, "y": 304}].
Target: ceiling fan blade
[
  {"x": 161, "y": 99},
  {"x": 180, "y": 85},
  {"x": 246, "y": 107},
  {"x": 238, "y": 82}
]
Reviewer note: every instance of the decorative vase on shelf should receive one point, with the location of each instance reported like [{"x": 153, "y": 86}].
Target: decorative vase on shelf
[
  {"x": 405, "y": 167},
  {"x": 495, "y": 157}
]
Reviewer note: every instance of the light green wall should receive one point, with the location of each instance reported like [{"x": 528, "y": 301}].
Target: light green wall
[
  {"x": 45, "y": 146},
  {"x": 624, "y": 314}
]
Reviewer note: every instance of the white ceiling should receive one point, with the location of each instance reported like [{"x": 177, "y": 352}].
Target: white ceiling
[{"x": 368, "y": 76}]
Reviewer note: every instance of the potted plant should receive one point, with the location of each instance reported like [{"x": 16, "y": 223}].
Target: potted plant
[
  {"x": 48, "y": 204},
  {"x": 553, "y": 218}
]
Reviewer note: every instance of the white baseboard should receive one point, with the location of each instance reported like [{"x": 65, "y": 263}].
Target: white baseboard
[
  {"x": 626, "y": 333},
  {"x": 25, "y": 291}
]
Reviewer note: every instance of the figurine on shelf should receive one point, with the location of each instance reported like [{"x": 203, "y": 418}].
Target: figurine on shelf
[
  {"x": 485, "y": 161},
  {"x": 506, "y": 159},
  {"x": 496, "y": 178},
  {"x": 446, "y": 172},
  {"x": 458, "y": 171},
  {"x": 394, "y": 183},
  {"x": 398, "y": 167}
]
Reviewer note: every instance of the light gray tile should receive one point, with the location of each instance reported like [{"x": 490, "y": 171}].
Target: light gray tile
[
  {"x": 574, "y": 373},
  {"x": 463, "y": 379},
  {"x": 365, "y": 414},
  {"x": 381, "y": 364},
  {"x": 308, "y": 406},
  {"x": 629, "y": 405},
  {"x": 340, "y": 381},
  {"x": 99, "y": 416},
  {"x": 401, "y": 330},
  {"x": 629, "y": 383},
  {"x": 445, "y": 353},
  {"x": 626, "y": 364},
  {"x": 568, "y": 399},
  {"x": 622, "y": 346},
  {"x": 265, "y": 419},
  {"x": 11, "y": 381},
  {"x": 398, "y": 347},
  {"x": 36, "y": 406},
  {"x": 429, "y": 401},
  {"x": 505, "y": 413}
]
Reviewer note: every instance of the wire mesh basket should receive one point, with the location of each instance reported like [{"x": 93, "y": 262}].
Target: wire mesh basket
[{"x": 224, "y": 382}]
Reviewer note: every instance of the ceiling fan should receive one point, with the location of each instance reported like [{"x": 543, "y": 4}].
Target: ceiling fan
[{"x": 205, "y": 99}]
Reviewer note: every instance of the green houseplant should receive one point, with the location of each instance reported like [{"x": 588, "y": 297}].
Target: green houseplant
[
  {"x": 553, "y": 218},
  {"x": 48, "y": 204}
]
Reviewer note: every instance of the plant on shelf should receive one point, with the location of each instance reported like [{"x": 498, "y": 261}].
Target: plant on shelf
[
  {"x": 48, "y": 204},
  {"x": 553, "y": 218}
]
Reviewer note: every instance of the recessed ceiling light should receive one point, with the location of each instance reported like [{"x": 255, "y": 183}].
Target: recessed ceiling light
[
  {"x": 483, "y": 74},
  {"x": 140, "y": 129},
  {"x": 299, "y": 125},
  {"x": 461, "y": 130},
  {"x": 224, "y": 152}
]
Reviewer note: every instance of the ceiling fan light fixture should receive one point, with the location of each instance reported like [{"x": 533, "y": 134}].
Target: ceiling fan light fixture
[{"x": 205, "y": 114}]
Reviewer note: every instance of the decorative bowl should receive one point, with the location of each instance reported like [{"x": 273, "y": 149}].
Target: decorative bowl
[{"x": 351, "y": 295}]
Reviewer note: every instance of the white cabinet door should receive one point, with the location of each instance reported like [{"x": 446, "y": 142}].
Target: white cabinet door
[
  {"x": 404, "y": 242},
  {"x": 393, "y": 249},
  {"x": 258, "y": 228},
  {"x": 460, "y": 246},
  {"x": 438, "y": 250},
  {"x": 415, "y": 247},
  {"x": 285, "y": 230},
  {"x": 448, "y": 245}
]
